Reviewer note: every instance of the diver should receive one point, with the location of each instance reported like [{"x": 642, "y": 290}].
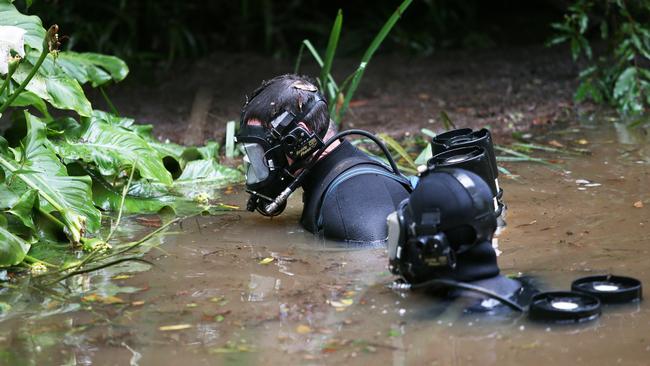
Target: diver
[
  {"x": 290, "y": 142},
  {"x": 441, "y": 238}
]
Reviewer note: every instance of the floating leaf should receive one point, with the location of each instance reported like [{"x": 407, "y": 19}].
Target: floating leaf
[
  {"x": 166, "y": 328},
  {"x": 303, "y": 329},
  {"x": 107, "y": 300},
  {"x": 267, "y": 260}
]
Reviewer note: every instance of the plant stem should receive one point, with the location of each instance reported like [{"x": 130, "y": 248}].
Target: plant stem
[
  {"x": 5, "y": 84},
  {"x": 101, "y": 266},
  {"x": 119, "y": 212},
  {"x": 108, "y": 101},
  {"x": 31, "y": 259},
  {"x": 29, "y": 77}
]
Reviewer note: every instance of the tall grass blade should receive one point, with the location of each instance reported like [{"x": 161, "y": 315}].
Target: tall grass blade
[
  {"x": 446, "y": 121},
  {"x": 379, "y": 38},
  {"x": 332, "y": 44}
]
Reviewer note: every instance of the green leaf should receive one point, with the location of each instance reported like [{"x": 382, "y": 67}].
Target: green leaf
[
  {"x": 92, "y": 67},
  {"x": 625, "y": 82},
  {"x": 113, "y": 119},
  {"x": 29, "y": 99},
  {"x": 22, "y": 209},
  {"x": 108, "y": 199},
  {"x": 397, "y": 148},
  {"x": 58, "y": 89},
  {"x": 70, "y": 197},
  {"x": 7, "y": 197},
  {"x": 209, "y": 170},
  {"x": 209, "y": 151},
  {"x": 9, "y": 15},
  {"x": 12, "y": 248},
  {"x": 113, "y": 149},
  {"x": 424, "y": 156}
]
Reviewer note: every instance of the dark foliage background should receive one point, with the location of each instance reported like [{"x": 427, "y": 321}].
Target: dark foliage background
[{"x": 145, "y": 30}]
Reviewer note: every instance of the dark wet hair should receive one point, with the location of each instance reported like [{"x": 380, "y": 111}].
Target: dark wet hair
[{"x": 289, "y": 92}]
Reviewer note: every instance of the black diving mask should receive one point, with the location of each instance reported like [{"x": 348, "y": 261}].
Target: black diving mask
[{"x": 274, "y": 154}]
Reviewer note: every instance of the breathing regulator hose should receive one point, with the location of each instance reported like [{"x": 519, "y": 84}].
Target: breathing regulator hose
[
  {"x": 284, "y": 195},
  {"x": 465, "y": 286}
]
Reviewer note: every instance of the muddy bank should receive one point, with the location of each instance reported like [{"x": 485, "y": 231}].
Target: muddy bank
[{"x": 506, "y": 89}]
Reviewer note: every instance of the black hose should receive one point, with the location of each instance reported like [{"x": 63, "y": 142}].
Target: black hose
[
  {"x": 466, "y": 286},
  {"x": 367, "y": 134},
  {"x": 296, "y": 183},
  {"x": 312, "y": 162}
]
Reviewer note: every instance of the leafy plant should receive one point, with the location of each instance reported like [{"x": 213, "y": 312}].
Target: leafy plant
[
  {"x": 620, "y": 75},
  {"x": 58, "y": 173},
  {"x": 339, "y": 97}
]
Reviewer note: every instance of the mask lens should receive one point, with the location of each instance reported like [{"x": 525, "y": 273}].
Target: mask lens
[{"x": 256, "y": 166}]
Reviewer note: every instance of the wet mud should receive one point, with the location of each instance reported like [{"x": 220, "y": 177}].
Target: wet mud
[{"x": 242, "y": 289}]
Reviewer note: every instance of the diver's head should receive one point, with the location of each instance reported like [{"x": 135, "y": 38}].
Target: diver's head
[
  {"x": 444, "y": 229},
  {"x": 282, "y": 125}
]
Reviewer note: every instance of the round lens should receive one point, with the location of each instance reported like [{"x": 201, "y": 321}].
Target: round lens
[
  {"x": 564, "y": 305},
  {"x": 605, "y": 287}
]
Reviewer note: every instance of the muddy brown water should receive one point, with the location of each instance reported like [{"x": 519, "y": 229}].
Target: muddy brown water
[{"x": 212, "y": 298}]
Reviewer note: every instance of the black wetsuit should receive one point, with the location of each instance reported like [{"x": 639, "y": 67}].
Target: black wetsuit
[{"x": 353, "y": 210}]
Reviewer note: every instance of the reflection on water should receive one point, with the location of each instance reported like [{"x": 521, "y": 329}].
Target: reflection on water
[{"x": 239, "y": 288}]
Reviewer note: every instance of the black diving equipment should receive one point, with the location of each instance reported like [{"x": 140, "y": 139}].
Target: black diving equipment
[
  {"x": 270, "y": 177},
  {"x": 610, "y": 289},
  {"x": 448, "y": 213},
  {"x": 274, "y": 154},
  {"x": 564, "y": 307},
  {"x": 476, "y": 159},
  {"x": 466, "y": 137}
]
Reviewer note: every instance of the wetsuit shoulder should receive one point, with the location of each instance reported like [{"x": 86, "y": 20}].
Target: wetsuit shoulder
[{"x": 356, "y": 209}]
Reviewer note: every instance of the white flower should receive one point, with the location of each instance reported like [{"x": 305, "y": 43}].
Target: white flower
[{"x": 11, "y": 38}]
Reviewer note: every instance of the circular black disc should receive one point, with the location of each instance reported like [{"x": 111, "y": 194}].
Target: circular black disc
[
  {"x": 610, "y": 289},
  {"x": 564, "y": 306}
]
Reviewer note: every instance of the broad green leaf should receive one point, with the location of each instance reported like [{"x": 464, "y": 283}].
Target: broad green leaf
[
  {"x": 92, "y": 67},
  {"x": 29, "y": 99},
  {"x": 113, "y": 119},
  {"x": 9, "y": 15},
  {"x": 22, "y": 209},
  {"x": 8, "y": 198},
  {"x": 208, "y": 170},
  {"x": 70, "y": 197},
  {"x": 625, "y": 82},
  {"x": 210, "y": 150},
  {"x": 112, "y": 149},
  {"x": 12, "y": 248},
  {"x": 108, "y": 199},
  {"x": 57, "y": 88}
]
